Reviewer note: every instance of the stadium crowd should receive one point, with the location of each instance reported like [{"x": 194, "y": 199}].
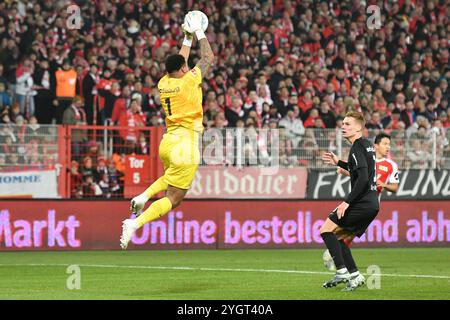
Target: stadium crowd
[{"x": 297, "y": 65}]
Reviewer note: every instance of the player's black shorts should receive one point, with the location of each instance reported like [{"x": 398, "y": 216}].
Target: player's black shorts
[{"x": 356, "y": 219}]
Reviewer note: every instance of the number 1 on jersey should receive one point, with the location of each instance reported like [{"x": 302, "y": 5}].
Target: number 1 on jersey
[{"x": 168, "y": 106}]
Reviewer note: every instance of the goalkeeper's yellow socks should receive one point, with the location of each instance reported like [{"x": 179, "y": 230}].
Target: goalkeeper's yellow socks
[
  {"x": 138, "y": 202},
  {"x": 156, "y": 210},
  {"x": 156, "y": 187}
]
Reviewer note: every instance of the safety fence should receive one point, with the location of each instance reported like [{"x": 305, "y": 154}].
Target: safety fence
[
  {"x": 111, "y": 161},
  {"x": 101, "y": 156},
  {"x": 29, "y": 147},
  {"x": 283, "y": 148}
]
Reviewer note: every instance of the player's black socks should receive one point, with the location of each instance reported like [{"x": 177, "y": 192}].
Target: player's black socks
[
  {"x": 333, "y": 246},
  {"x": 348, "y": 258}
]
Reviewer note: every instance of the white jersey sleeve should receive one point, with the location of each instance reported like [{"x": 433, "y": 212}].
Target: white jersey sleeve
[{"x": 394, "y": 177}]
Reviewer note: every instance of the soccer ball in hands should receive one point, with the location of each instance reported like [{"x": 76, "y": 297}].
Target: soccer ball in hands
[
  {"x": 328, "y": 261},
  {"x": 197, "y": 15}
]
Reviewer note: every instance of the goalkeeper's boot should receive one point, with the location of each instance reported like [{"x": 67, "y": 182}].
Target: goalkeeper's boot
[
  {"x": 129, "y": 227},
  {"x": 355, "y": 282},
  {"x": 137, "y": 204},
  {"x": 339, "y": 277}
]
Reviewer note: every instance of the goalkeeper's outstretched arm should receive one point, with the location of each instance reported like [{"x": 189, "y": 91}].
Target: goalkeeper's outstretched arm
[
  {"x": 186, "y": 47},
  {"x": 192, "y": 25}
]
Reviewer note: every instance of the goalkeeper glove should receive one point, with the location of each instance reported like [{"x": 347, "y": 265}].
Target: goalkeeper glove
[
  {"x": 192, "y": 23},
  {"x": 188, "y": 36}
]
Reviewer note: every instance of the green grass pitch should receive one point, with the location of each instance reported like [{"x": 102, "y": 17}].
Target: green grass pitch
[{"x": 219, "y": 274}]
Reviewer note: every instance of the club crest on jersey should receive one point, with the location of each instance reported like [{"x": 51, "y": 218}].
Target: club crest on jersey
[{"x": 194, "y": 72}]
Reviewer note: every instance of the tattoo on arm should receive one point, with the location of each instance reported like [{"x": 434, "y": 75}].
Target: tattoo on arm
[{"x": 207, "y": 56}]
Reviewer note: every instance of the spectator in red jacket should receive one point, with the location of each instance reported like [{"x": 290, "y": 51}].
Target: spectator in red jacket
[
  {"x": 445, "y": 118},
  {"x": 121, "y": 104},
  {"x": 311, "y": 120},
  {"x": 133, "y": 118},
  {"x": 340, "y": 80},
  {"x": 305, "y": 102}
]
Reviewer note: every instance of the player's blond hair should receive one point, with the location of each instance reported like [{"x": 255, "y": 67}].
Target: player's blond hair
[{"x": 359, "y": 117}]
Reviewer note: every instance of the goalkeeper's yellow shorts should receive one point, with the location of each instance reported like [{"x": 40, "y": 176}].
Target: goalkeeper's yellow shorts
[{"x": 179, "y": 152}]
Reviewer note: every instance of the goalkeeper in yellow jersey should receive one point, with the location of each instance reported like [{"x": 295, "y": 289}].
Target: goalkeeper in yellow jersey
[{"x": 181, "y": 97}]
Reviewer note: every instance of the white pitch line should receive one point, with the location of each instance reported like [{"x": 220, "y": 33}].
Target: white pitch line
[{"x": 220, "y": 269}]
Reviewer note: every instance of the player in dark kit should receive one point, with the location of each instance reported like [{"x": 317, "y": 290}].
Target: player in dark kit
[{"x": 352, "y": 217}]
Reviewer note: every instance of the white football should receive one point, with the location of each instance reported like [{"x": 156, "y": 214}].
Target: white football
[{"x": 198, "y": 15}]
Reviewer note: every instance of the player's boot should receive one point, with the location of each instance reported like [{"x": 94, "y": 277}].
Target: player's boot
[
  {"x": 137, "y": 204},
  {"x": 337, "y": 279},
  {"x": 355, "y": 282},
  {"x": 129, "y": 227}
]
